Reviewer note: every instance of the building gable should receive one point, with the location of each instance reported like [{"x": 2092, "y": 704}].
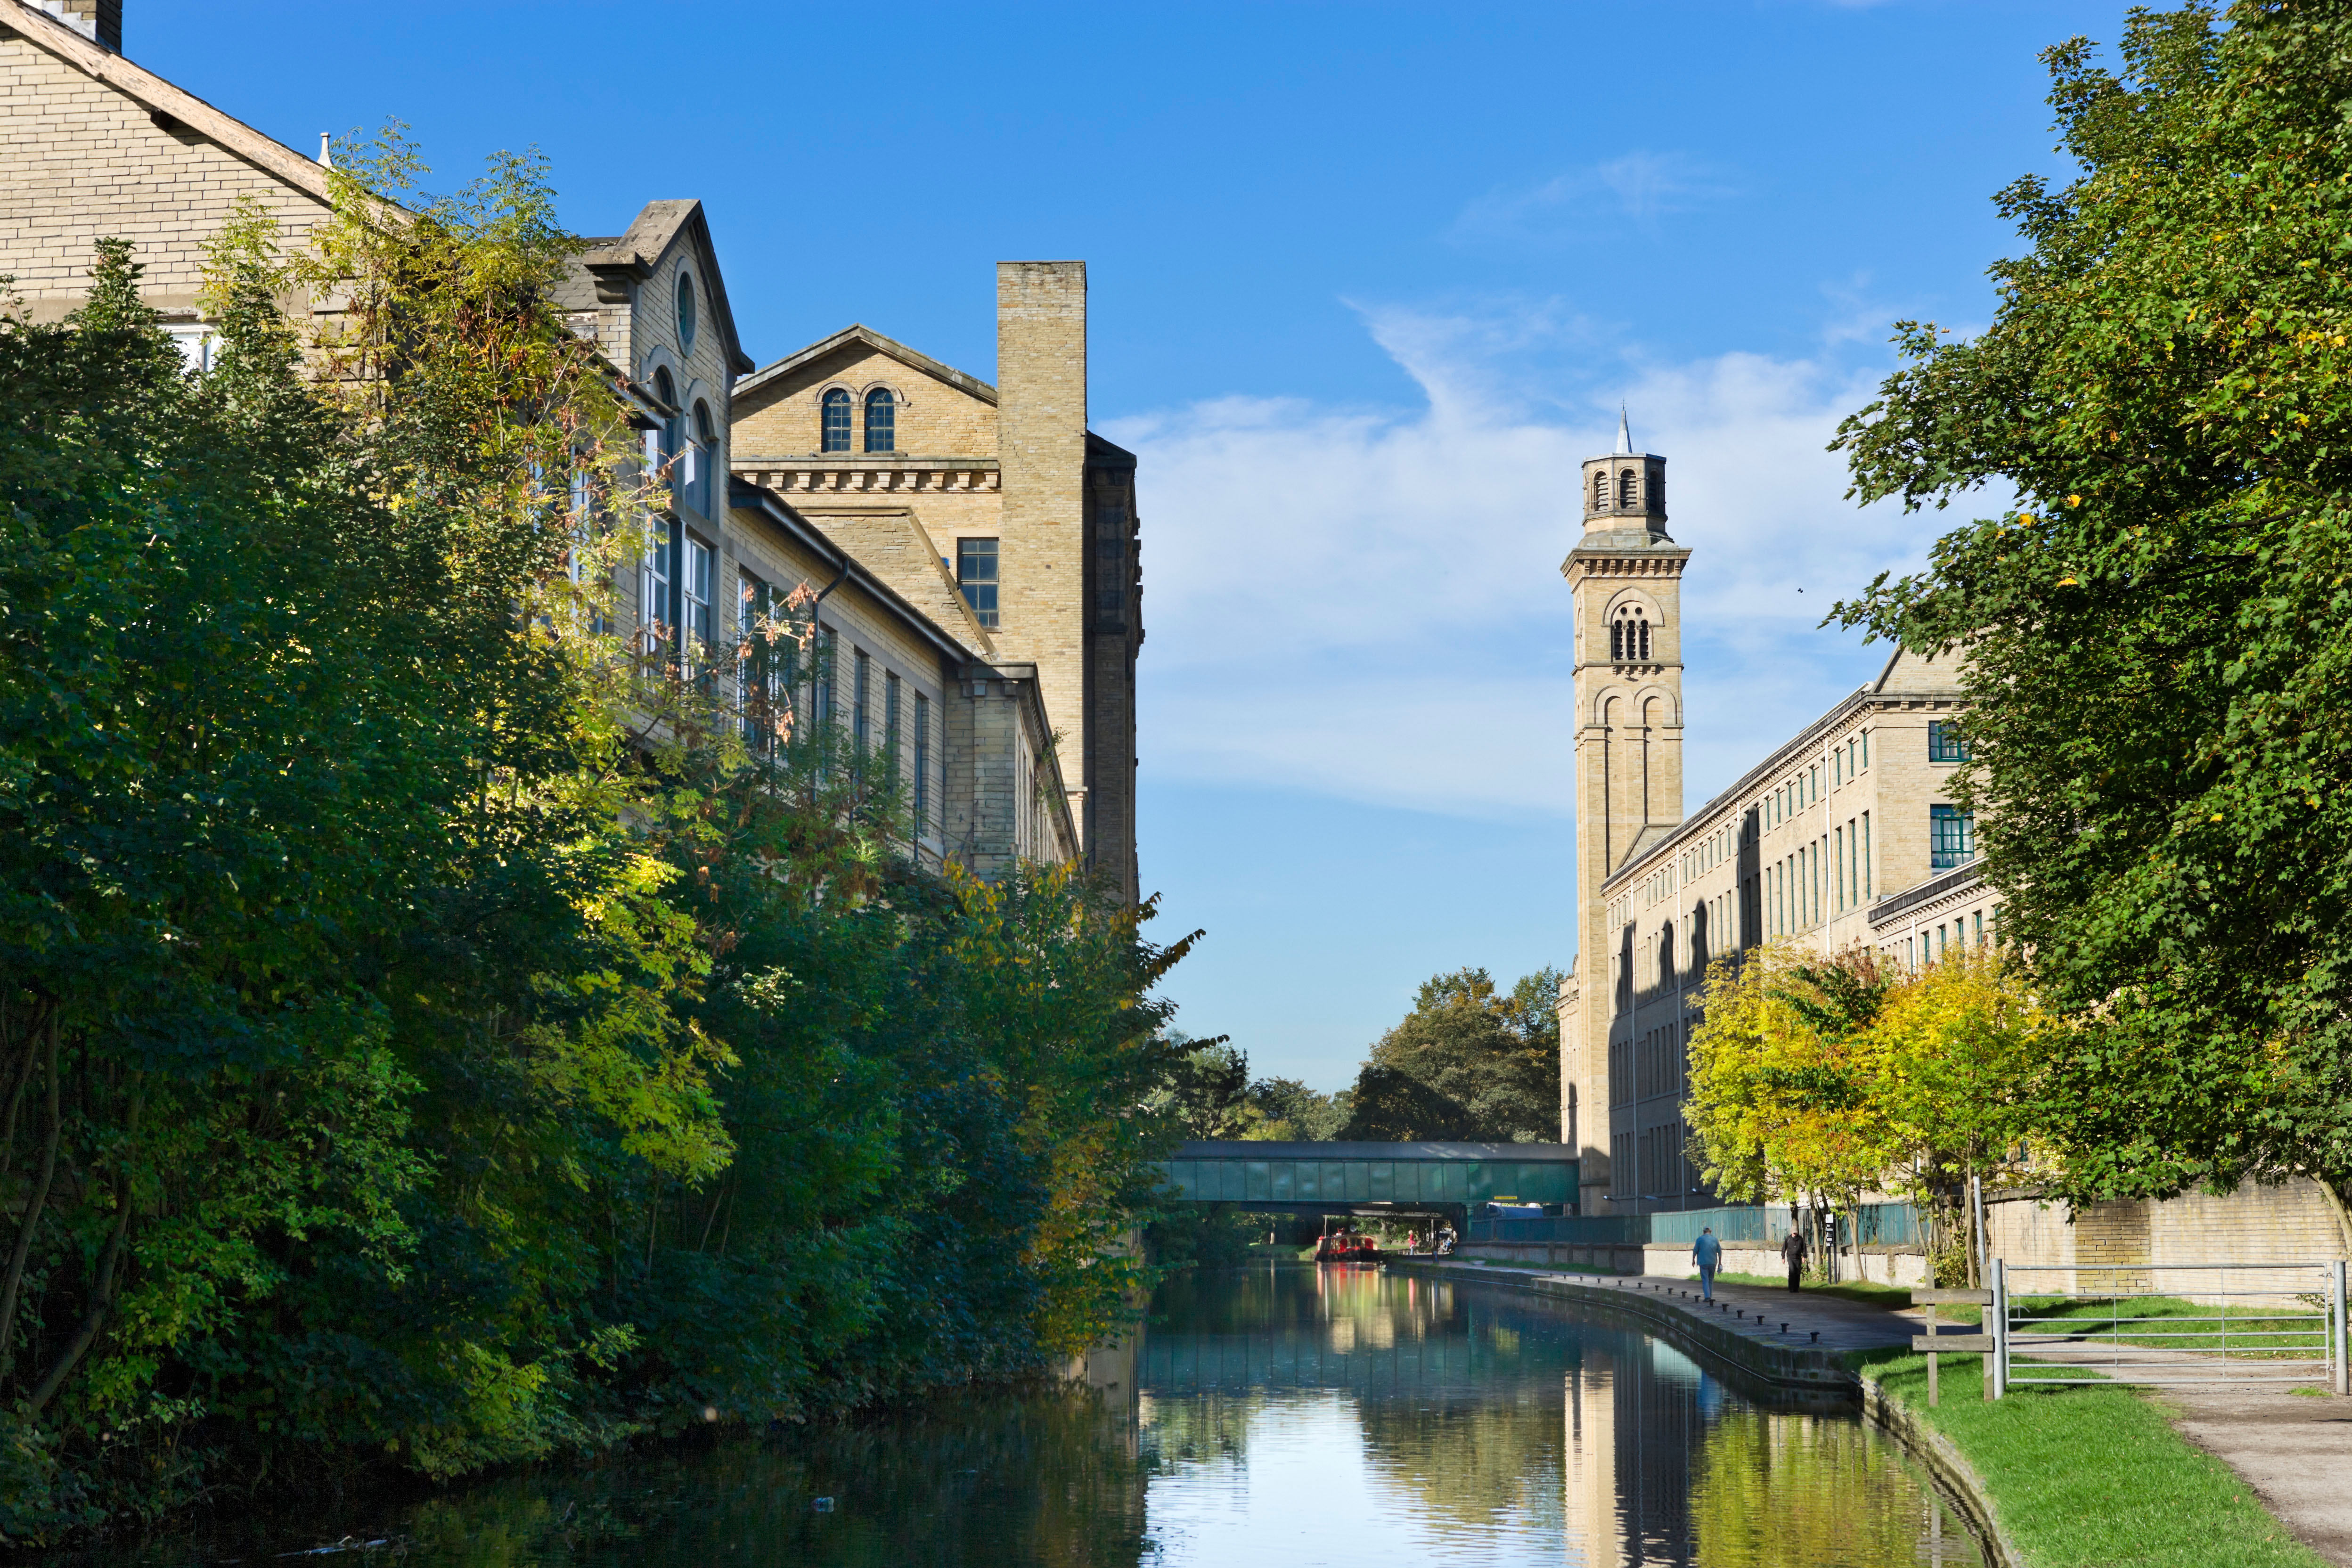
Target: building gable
[
  {"x": 92, "y": 146},
  {"x": 940, "y": 411}
]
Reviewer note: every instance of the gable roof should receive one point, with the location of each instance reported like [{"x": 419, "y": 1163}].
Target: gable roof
[
  {"x": 632, "y": 257},
  {"x": 45, "y": 32},
  {"x": 867, "y": 337}
]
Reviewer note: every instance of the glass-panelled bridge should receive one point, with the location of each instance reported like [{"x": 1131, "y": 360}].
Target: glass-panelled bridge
[{"x": 1373, "y": 1178}]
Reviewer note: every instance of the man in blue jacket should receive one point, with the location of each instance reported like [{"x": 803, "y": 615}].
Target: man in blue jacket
[{"x": 1707, "y": 1253}]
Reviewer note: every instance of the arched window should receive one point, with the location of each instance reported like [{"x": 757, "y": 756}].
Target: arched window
[
  {"x": 881, "y": 421},
  {"x": 704, "y": 478},
  {"x": 1625, "y": 491},
  {"x": 836, "y": 422},
  {"x": 673, "y": 430},
  {"x": 1629, "y": 636},
  {"x": 685, "y": 312},
  {"x": 1599, "y": 490}
]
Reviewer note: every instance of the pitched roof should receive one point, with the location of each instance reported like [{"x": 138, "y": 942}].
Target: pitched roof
[
  {"x": 879, "y": 344},
  {"x": 634, "y": 256},
  {"x": 45, "y": 32}
]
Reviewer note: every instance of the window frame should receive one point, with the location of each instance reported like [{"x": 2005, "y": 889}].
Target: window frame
[
  {"x": 975, "y": 588},
  {"x": 880, "y": 397}
]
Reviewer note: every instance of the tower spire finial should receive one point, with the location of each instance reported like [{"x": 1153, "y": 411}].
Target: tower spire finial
[{"x": 1624, "y": 434}]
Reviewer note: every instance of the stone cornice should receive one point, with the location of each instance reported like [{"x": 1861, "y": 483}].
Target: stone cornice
[{"x": 870, "y": 474}]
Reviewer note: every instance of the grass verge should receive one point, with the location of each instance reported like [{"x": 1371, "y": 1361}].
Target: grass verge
[{"x": 2084, "y": 1478}]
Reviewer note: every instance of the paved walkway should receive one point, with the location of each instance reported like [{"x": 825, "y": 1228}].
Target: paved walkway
[
  {"x": 2296, "y": 1454},
  {"x": 1756, "y": 1311}
]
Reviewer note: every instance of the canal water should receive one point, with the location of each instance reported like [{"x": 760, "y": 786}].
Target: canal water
[{"x": 1279, "y": 1415}]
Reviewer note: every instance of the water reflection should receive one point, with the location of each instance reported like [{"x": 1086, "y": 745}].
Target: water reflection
[
  {"x": 1341, "y": 1416},
  {"x": 1285, "y": 1417}
]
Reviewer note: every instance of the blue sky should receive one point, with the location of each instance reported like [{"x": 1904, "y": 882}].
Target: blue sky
[{"x": 1368, "y": 281}]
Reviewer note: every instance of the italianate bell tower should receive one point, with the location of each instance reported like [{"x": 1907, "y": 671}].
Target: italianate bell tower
[{"x": 1625, "y": 577}]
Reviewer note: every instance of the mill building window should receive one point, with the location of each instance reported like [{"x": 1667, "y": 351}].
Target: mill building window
[
  {"x": 881, "y": 421},
  {"x": 1944, "y": 742},
  {"x": 1951, "y": 837},
  {"x": 696, "y": 585},
  {"x": 835, "y": 435},
  {"x": 976, "y": 575},
  {"x": 702, "y": 462},
  {"x": 922, "y": 764}
]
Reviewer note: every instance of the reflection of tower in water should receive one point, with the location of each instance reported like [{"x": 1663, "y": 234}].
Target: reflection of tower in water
[{"x": 1633, "y": 1421}]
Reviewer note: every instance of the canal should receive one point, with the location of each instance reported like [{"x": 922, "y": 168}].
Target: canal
[{"x": 1283, "y": 1415}]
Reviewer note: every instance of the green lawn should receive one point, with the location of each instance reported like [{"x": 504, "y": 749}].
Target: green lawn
[{"x": 2084, "y": 1477}]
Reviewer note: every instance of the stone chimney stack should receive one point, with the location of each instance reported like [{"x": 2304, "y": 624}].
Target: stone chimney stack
[
  {"x": 99, "y": 21},
  {"x": 1041, "y": 433}
]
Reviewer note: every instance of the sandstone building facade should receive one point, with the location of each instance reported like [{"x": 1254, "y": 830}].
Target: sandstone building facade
[
  {"x": 978, "y": 710},
  {"x": 1000, "y": 491},
  {"x": 1844, "y": 836}
]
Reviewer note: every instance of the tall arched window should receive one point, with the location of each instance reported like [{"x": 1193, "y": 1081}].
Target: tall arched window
[
  {"x": 1625, "y": 491},
  {"x": 881, "y": 421},
  {"x": 1601, "y": 490},
  {"x": 704, "y": 478},
  {"x": 1644, "y": 628},
  {"x": 685, "y": 312},
  {"x": 836, "y": 422},
  {"x": 673, "y": 430},
  {"x": 1616, "y": 640}
]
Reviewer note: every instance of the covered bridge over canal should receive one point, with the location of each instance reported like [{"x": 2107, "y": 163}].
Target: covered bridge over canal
[{"x": 1374, "y": 1178}]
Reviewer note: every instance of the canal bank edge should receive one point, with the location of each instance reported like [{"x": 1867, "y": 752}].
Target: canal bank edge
[
  {"x": 1810, "y": 1370},
  {"x": 1941, "y": 1458},
  {"x": 1813, "y": 1372}
]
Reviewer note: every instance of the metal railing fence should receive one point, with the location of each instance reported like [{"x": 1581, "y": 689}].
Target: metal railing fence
[{"x": 2287, "y": 1329}]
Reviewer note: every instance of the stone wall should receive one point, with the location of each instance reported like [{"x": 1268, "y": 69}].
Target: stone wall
[
  {"x": 92, "y": 147},
  {"x": 2122, "y": 1248}
]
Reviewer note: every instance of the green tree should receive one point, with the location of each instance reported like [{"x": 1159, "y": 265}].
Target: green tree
[
  {"x": 2157, "y": 632},
  {"x": 1467, "y": 1063}
]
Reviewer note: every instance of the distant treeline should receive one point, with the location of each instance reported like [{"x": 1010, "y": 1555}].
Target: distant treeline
[{"x": 1468, "y": 1062}]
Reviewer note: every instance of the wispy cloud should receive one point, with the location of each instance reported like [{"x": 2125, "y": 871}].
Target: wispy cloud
[
  {"x": 1367, "y": 603},
  {"x": 1643, "y": 185}
]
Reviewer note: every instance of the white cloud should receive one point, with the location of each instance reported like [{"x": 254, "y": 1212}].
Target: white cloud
[
  {"x": 1643, "y": 185},
  {"x": 1367, "y": 603}
]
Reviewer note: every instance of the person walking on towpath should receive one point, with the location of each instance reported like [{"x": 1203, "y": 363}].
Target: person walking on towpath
[
  {"x": 1707, "y": 1253},
  {"x": 1792, "y": 1253}
]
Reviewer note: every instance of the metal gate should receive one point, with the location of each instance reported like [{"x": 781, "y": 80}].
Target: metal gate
[{"x": 2287, "y": 1329}]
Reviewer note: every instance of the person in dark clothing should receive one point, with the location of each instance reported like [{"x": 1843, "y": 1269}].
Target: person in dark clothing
[{"x": 1792, "y": 1253}]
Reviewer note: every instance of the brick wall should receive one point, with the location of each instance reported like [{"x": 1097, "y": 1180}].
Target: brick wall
[
  {"x": 2290, "y": 1223},
  {"x": 81, "y": 161}
]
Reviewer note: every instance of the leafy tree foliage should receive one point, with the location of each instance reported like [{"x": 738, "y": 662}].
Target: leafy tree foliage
[
  {"x": 2156, "y": 634},
  {"x": 430, "y": 1032},
  {"x": 1816, "y": 1082},
  {"x": 1468, "y": 1062}
]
